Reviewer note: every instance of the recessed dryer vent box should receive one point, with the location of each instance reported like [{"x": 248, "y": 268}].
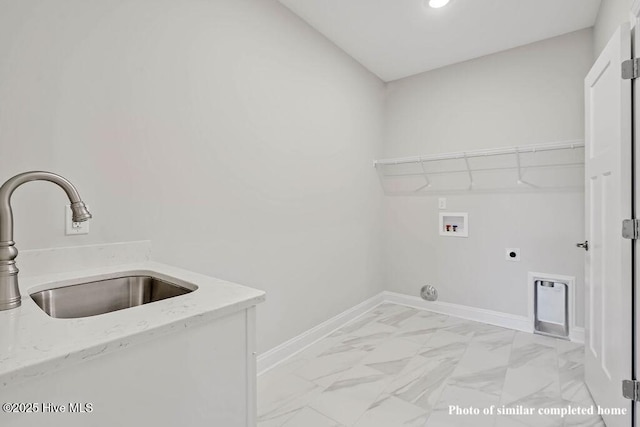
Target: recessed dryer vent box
[{"x": 454, "y": 224}]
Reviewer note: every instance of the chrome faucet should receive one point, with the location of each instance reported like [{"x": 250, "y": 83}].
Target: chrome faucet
[{"x": 9, "y": 292}]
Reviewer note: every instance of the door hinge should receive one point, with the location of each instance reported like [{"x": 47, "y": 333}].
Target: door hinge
[
  {"x": 631, "y": 69},
  {"x": 631, "y": 229},
  {"x": 631, "y": 390}
]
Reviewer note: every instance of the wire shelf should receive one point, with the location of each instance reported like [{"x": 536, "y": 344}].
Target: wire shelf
[{"x": 554, "y": 166}]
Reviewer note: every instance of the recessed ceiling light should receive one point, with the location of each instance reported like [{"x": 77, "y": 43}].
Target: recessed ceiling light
[{"x": 438, "y": 3}]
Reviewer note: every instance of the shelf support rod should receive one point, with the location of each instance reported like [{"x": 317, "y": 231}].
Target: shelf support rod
[
  {"x": 466, "y": 161},
  {"x": 381, "y": 175},
  {"x": 520, "y": 180},
  {"x": 426, "y": 177}
]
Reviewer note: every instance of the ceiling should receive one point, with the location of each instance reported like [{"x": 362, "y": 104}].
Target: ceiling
[{"x": 399, "y": 38}]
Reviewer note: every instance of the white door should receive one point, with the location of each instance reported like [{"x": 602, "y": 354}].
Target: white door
[{"x": 608, "y": 340}]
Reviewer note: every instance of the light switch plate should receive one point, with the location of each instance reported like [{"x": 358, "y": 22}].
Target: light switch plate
[
  {"x": 442, "y": 203},
  {"x": 74, "y": 228}
]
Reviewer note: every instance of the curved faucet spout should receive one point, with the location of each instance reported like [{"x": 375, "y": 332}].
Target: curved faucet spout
[{"x": 9, "y": 293}]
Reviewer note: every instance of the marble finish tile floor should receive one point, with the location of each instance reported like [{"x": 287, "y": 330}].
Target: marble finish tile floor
[{"x": 397, "y": 366}]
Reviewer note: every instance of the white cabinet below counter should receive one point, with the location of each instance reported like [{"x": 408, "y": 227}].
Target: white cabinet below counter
[{"x": 196, "y": 371}]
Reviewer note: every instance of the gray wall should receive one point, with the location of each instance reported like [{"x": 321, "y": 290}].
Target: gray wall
[
  {"x": 229, "y": 133},
  {"x": 240, "y": 142},
  {"x": 612, "y": 13},
  {"x": 531, "y": 94}
]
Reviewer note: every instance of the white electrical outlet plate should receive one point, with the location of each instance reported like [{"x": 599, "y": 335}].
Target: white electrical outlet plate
[
  {"x": 74, "y": 228},
  {"x": 442, "y": 203},
  {"x": 512, "y": 254}
]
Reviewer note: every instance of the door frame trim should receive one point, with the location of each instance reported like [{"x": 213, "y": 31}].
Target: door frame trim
[{"x": 634, "y": 200}]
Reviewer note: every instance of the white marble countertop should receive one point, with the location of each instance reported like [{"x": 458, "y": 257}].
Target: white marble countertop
[{"x": 32, "y": 343}]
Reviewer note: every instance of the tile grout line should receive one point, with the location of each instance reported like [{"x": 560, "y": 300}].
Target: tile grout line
[
  {"x": 387, "y": 338},
  {"x": 395, "y": 376},
  {"x": 500, "y": 401},
  {"x": 328, "y": 334},
  {"x": 444, "y": 384},
  {"x": 344, "y": 373}
]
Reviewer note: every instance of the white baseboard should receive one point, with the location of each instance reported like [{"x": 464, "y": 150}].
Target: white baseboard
[
  {"x": 505, "y": 320},
  {"x": 496, "y": 318},
  {"x": 271, "y": 358},
  {"x": 577, "y": 335},
  {"x": 279, "y": 354}
]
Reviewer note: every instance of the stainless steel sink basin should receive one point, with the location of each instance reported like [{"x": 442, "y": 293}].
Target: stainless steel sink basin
[{"x": 104, "y": 296}]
